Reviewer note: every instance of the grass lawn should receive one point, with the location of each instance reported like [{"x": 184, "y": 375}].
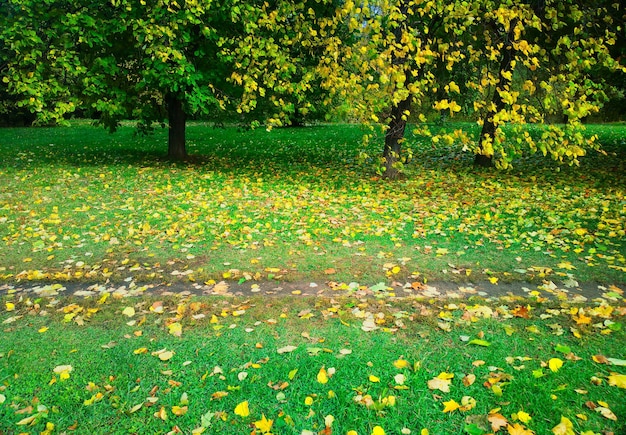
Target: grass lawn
[
  {"x": 295, "y": 204},
  {"x": 78, "y": 205},
  {"x": 311, "y": 366}
]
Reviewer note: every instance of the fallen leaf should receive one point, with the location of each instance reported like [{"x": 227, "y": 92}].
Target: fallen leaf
[
  {"x": 264, "y": 425},
  {"x": 565, "y": 427},
  {"x": 469, "y": 379},
  {"x": 242, "y": 409},
  {"x": 523, "y": 417},
  {"x": 600, "y": 359},
  {"x": 450, "y": 406},
  {"x": 518, "y": 429},
  {"x": 179, "y": 410},
  {"x": 497, "y": 421},
  {"x": 555, "y": 364},
  {"x": 606, "y": 413},
  {"x": 401, "y": 363},
  {"x": 176, "y": 329},
  {"x": 161, "y": 413},
  {"x": 378, "y": 430},
  {"x": 617, "y": 380},
  {"x": 128, "y": 311},
  {"x": 322, "y": 376},
  {"x": 478, "y": 342},
  {"x": 439, "y": 384},
  {"x": 286, "y": 349}
]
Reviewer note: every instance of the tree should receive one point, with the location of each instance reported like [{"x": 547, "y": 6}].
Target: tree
[
  {"x": 522, "y": 62},
  {"x": 538, "y": 64},
  {"x": 279, "y": 80},
  {"x": 124, "y": 59},
  {"x": 389, "y": 69}
]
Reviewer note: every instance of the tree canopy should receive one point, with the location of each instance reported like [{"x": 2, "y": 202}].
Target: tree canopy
[{"x": 503, "y": 63}]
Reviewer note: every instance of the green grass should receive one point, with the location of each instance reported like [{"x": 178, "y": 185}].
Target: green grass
[
  {"x": 77, "y": 203},
  {"x": 237, "y": 352}
]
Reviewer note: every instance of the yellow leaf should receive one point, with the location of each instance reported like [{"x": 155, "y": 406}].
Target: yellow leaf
[
  {"x": 308, "y": 401},
  {"x": 49, "y": 429},
  {"x": 518, "y": 429},
  {"x": 453, "y": 87},
  {"x": 454, "y": 107},
  {"x": 400, "y": 363},
  {"x": 140, "y": 350},
  {"x": 322, "y": 376},
  {"x": 329, "y": 420},
  {"x": 165, "y": 356},
  {"x": 450, "y": 406},
  {"x": 555, "y": 364},
  {"x": 565, "y": 427},
  {"x": 9, "y": 306},
  {"x": 161, "y": 413},
  {"x": 242, "y": 409},
  {"x": 264, "y": 425},
  {"x": 352, "y": 432},
  {"x": 617, "y": 380},
  {"x": 523, "y": 417},
  {"x": 179, "y": 410},
  {"x": 27, "y": 420},
  {"x": 62, "y": 369},
  {"x": 129, "y": 311},
  {"x": 373, "y": 378},
  {"x": 176, "y": 329},
  {"x": 42, "y": 329},
  {"x": 378, "y": 431}
]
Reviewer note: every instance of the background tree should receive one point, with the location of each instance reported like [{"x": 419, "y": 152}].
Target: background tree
[
  {"x": 538, "y": 65},
  {"x": 124, "y": 59},
  {"x": 521, "y": 63},
  {"x": 279, "y": 80}
]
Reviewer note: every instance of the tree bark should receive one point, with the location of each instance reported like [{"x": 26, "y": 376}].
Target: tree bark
[
  {"x": 489, "y": 127},
  {"x": 177, "y": 120},
  {"x": 393, "y": 138},
  {"x": 397, "y": 125}
]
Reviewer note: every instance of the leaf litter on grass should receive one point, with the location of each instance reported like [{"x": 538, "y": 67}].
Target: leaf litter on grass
[
  {"x": 479, "y": 393},
  {"x": 235, "y": 219},
  {"x": 250, "y": 220}
]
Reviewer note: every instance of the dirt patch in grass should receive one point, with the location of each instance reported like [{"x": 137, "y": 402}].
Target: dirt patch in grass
[{"x": 582, "y": 292}]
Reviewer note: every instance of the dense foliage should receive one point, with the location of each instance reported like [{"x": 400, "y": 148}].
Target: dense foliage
[{"x": 502, "y": 63}]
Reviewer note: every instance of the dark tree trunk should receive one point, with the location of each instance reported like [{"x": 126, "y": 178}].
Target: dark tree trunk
[
  {"x": 295, "y": 119},
  {"x": 489, "y": 127},
  {"x": 393, "y": 138},
  {"x": 397, "y": 125},
  {"x": 177, "y": 119}
]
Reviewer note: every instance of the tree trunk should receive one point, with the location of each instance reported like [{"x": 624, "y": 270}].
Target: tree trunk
[
  {"x": 397, "y": 125},
  {"x": 489, "y": 127},
  {"x": 176, "y": 119},
  {"x": 393, "y": 138}
]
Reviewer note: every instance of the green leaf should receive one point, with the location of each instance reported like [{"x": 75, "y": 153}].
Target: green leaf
[
  {"x": 562, "y": 348},
  {"x": 478, "y": 342},
  {"x": 473, "y": 429}
]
